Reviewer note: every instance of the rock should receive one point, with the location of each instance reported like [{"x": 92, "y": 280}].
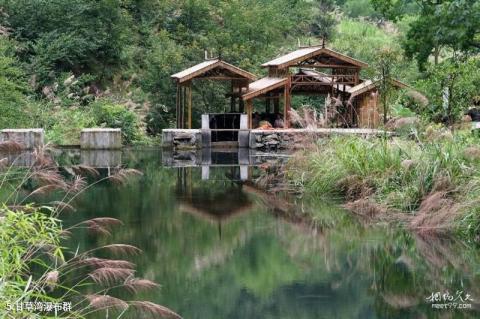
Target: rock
[
  {"x": 69, "y": 80},
  {"x": 472, "y": 153},
  {"x": 271, "y": 137},
  {"x": 401, "y": 123},
  {"x": 272, "y": 142},
  {"x": 408, "y": 164}
]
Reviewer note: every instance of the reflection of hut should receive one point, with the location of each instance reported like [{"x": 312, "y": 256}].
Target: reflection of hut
[
  {"x": 215, "y": 204},
  {"x": 219, "y": 208}
]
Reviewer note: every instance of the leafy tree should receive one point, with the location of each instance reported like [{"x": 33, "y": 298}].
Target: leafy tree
[
  {"x": 324, "y": 20},
  {"x": 452, "y": 25},
  {"x": 384, "y": 70},
  {"x": 451, "y": 87},
  {"x": 78, "y": 35},
  {"x": 13, "y": 88}
]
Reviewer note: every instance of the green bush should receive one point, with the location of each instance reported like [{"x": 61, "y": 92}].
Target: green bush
[
  {"x": 13, "y": 89},
  {"x": 112, "y": 115},
  {"x": 400, "y": 173}
]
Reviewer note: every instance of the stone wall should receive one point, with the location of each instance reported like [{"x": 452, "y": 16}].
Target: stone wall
[
  {"x": 281, "y": 139},
  {"x": 101, "y": 138},
  {"x": 28, "y": 138},
  {"x": 182, "y": 138}
]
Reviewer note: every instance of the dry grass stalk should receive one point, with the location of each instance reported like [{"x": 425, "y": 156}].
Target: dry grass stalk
[
  {"x": 85, "y": 170},
  {"x": 51, "y": 279},
  {"x": 42, "y": 159},
  {"x": 42, "y": 190},
  {"x": 62, "y": 206},
  {"x": 109, "y": 276},
  {"x": 10, "y": 147},
  {"x": 354, "y": 187},
  {"x": 101, "y": 225},
  {"x": 3, "y": 163},
  {"x": 436, "y": 213},
  {"x": 78, "y": 184},
  {"x": 107, "y": 263},
  {"x": 154, "y": 309},
  {"x": 122, "y": 249},
  {"x": 102, "y": 302},
  {"x": 122, "y": 175},
  {"x": 366, "y": 208},
  {"x": 138, "y": 284},
  {"x": 50, "y": 177}
]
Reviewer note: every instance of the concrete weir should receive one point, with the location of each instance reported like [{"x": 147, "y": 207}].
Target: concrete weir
[
  {"x": 265, "y": 140},
  {"x": 29, "y": 138},
  {"x": 101, "y": 138}
]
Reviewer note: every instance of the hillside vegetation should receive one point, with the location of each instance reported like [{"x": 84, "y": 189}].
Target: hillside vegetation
[{"x": 65, "y": 65}]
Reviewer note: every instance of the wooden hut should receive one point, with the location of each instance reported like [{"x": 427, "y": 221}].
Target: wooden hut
[
  {"x": 367, "y": 102},
  {"x": 216, "y": 70},
  {"x": 309, "y": 70}
]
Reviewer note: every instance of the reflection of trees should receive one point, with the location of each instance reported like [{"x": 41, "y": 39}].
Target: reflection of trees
[{"x": 265, "y": 267}]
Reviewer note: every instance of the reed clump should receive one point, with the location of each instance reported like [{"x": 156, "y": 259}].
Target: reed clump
[{"x": 432, "y": 178}]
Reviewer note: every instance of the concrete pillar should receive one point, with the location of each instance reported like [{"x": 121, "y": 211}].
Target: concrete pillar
[
  {"x": 244, "y": 156},
  {"x": 101, "y": 158},
  {"x": 101, "y": 138},
  {"x": 206, "y": 134},
  {"x": 205, "y": 172},
  {"x": 243, "y": 136},
  {"x": 243, "y": 172},
  {"x": 28, "y": 138}
]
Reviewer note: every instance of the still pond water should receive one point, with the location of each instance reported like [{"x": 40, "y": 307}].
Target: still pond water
[{"x": 221, "y": 249}]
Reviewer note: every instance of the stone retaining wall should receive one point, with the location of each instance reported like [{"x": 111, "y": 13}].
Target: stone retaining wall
[
  {"x": 264, "y": 140},
  {"x": 182, "y": 138},
  {"x": 280, "y": 139}
]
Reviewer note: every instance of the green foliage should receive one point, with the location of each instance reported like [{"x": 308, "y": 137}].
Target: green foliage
[
  {"x": 359, "y": 8},
  {"x": 386, "y": 64},
  {"x": 13, "y": 88},
  {"x": 450, "y": 25},
  {"x": 108, "y": 114},
  {"x": 78, "y": 35},
  {"x": 456, "y": 77},
  {"x": 63, "y": 126},
  {"x": 323, "y": 21},
  {"x": 21, "y": 235},
  {"x": 375, "y": 39},
  {"x": 400, "y": 173}
]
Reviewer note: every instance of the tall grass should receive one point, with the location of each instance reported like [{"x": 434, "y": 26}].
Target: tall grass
[{"x": 398, "y": 173}]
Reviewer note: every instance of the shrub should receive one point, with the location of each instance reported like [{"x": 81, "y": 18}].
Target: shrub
[
  {"x": 397, "y": 173},
  {"x": 112, "y": 115}
]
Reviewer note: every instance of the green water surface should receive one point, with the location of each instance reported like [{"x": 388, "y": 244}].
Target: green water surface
[{"x": 220, "y": 249}]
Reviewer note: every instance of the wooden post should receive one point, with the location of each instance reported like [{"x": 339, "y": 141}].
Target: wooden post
[
  {"x": 189, "y": 104},
  {"x": 276, "y": 105},
  {"x": 267, "y": 103},
  {"x": 286, "y": 104},
  {"x": 241, "y": 106},
  {"x": 249, "y": 112},
  {"x": 177, "y": 106},
  {"x": 232, "y": 97}
]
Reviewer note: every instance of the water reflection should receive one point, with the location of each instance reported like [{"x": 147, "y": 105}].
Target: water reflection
[{"x": 222, "y": 249}]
